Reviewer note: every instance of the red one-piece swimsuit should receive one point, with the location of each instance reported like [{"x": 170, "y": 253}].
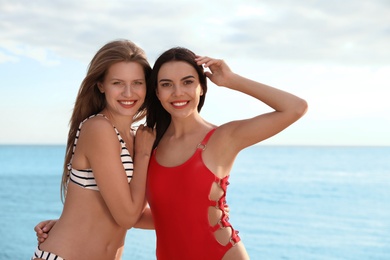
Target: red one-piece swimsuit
[{"x": 179, "y": 200}]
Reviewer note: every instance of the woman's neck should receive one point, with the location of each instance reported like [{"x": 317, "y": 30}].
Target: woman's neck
[
  {"x": 122, "y": 123},
  {"x": 184, "y": 126}
]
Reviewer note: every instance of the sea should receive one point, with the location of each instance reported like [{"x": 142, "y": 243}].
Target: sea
[{"x": 288, "y": 202}]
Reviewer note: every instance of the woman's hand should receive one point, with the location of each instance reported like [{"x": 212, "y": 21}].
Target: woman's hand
[
  {"x": 42, "y": 229},
  {"x": 220, "y": 73},
  {"x": 144, "y": 140}
]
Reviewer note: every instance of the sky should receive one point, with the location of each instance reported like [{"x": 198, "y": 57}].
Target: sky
[{"x": 334, "y": 54}]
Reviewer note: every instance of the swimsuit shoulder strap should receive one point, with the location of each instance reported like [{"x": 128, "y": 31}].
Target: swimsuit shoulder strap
[{"x": 202, "y": 145}]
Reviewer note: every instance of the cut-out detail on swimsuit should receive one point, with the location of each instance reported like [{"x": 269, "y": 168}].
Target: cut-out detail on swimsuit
[
  {"x": 223, "y": 220},
  {"x": 85, "y": 177},
  {"x": 219, "y": 186},
  {"x": 182, "y": 199}
]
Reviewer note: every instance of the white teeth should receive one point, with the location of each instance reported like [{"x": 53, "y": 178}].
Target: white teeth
[
  {"x": 179, "y": 104},
  {"x": 127, "y": 102}
]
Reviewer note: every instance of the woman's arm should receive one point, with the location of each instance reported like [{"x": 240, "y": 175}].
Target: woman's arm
[
  {"x": 101, "y": 148},
  {"x": 287, "y": 107},
  {"x": 146, "y": 220}
]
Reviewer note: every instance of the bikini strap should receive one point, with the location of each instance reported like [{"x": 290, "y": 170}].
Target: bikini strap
[{"x": 77, "y": 137}]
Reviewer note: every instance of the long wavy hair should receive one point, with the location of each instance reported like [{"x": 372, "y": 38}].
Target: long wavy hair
[
  {"x": 157, "y": 116},
  {"x": 90, "y": 100}
]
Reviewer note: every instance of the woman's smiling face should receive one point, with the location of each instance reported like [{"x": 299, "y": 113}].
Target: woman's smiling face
[
  {"x": 178, "y": 88},
  {"x": 124, "y": 86}
]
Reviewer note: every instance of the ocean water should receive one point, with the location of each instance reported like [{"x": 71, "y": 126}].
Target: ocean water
[{"x": 287, "y": 202}]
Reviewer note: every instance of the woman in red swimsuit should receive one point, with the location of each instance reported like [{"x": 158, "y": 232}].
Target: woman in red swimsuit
[{"x": 190, "y": 166}]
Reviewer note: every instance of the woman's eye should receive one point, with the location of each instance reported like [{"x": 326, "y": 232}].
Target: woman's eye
[
  {"x": 188, "y": 82},
  {"x": 166, "y": 84}
]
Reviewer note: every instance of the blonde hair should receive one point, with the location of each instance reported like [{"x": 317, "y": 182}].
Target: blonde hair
[{"x": 90, "y": 100}]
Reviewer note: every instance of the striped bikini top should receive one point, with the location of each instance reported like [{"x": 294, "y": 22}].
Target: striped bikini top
[{"x": 85, "y": 177}]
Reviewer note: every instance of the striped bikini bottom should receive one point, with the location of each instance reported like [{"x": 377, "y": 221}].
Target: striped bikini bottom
[{"x": 45, "y": 255}]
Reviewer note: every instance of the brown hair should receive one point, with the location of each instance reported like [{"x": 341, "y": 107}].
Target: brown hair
[
  {"x": 157, "y": 116},
  {"x": 90, "y": 100}
]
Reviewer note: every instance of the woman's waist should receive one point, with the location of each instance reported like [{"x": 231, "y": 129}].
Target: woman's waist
[{"x": 71, "y": 235}]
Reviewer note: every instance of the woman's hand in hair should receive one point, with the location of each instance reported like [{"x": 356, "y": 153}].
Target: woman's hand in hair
[{"x": 220, "y": 73}]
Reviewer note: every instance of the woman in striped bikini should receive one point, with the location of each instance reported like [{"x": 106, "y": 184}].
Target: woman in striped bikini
[{"x": 104, "y": 178}]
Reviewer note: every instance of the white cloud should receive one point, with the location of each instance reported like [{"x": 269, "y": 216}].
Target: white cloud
[
  {"x": 348, "y": 32},
  {"x": 34, "y": 52},
  {"x": 7, "y": 58},
  {"x": 334, "y": 54}
]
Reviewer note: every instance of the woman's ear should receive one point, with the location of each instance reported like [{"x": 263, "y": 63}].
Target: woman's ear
[{"x": 100, "y": 87}]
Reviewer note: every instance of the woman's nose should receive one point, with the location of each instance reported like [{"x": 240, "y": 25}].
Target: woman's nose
[
  {"x": 127, "y": 90},
  {"x": 177, "y": 90}
]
